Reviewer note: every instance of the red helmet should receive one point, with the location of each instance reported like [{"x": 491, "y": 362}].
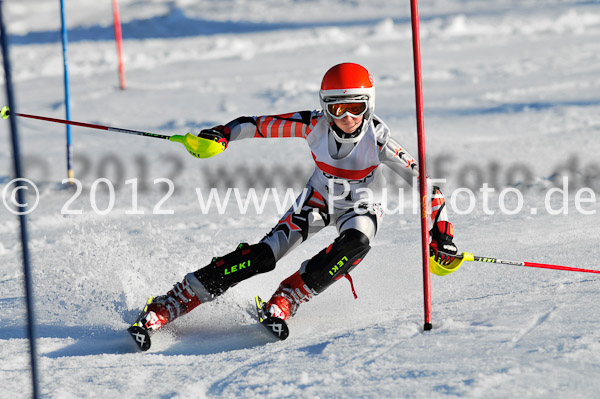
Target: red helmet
[{"x": 348, "y": 82}]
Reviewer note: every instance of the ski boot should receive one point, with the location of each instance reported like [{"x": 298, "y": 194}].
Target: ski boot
[
  {"x": 166, "y": 308},
  {"x": 291, "y": 293}
]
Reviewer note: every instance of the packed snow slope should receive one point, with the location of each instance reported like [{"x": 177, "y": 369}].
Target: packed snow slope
[{"x": 512, "y": 101}]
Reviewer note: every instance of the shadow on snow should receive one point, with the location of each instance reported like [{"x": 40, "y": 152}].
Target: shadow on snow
[{"x": 100, "y": 341}]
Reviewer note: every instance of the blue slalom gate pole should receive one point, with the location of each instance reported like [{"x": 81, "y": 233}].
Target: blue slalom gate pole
[
  {"x": 22, "y": 206},
  {"x": 66, "y": 80}
]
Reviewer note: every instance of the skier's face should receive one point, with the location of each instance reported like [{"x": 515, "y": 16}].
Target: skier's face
[{"x": 348, "y": 124}]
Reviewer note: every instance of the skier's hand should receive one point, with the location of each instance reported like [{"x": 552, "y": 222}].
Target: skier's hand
[
  {"x": 443, "y": 252},
  {"x": 220, "y": 134},
  {"x": 442, "y": 248}
]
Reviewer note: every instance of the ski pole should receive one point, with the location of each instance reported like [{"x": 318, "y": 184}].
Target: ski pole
[
  {"x": 444, "y": 269},
  {"x": 528, "y": 264},
  {"x": 197, "y": 146}
]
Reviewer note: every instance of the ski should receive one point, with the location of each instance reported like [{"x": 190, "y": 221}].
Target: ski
[
  {"x": 141, "y": 337},
  {"x": 277, "y": 327},
  {"x": 139, "y": 333}
]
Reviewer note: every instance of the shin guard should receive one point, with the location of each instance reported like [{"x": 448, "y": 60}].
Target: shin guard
[
  {"x": 335, "y": 261},
  {"x": 245, "y": 262}
]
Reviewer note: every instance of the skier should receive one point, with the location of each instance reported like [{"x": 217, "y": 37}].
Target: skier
[{"x": 348, "y": 143}]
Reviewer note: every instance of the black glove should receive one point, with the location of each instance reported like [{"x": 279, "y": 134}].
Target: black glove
[
  {"x": 442, "y": 248},
  {"x": 220, "y": 134}
]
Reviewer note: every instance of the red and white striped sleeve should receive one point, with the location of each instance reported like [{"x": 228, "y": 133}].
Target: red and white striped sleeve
[{"x": 295, "y": 124}]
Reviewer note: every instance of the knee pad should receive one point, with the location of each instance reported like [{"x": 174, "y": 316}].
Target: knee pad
[
  {"x": 335, "y": 261},
  {"x": 226, "y": 271}
]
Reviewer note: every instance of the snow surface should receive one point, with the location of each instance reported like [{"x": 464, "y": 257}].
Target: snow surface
[{"x": 511, "y": 98}]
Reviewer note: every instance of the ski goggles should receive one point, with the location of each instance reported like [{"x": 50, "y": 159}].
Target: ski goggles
[{"x": 340, "y": 110}]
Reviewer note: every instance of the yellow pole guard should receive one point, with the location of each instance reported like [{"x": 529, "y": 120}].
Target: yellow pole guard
[
  {"x": 443, "y": 270},
  {"x": 199, "y": 147}
]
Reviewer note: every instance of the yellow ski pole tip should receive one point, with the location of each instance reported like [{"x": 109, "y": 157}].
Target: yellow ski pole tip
[{"x": 5, "y": 113}]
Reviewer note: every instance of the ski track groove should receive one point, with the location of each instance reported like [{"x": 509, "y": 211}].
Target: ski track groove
[{"x": 535, "y": 323}]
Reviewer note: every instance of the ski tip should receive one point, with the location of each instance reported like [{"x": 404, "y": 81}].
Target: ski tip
[
  {"x": 274, "y": 325},
  {"x": 140, "y": 336},
  {"x": 277, "y": 327}
]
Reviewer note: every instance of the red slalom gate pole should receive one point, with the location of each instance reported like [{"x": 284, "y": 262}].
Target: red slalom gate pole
[
  {"x": 119, "y": 40},
  {"x": 414, "y": 13}
]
